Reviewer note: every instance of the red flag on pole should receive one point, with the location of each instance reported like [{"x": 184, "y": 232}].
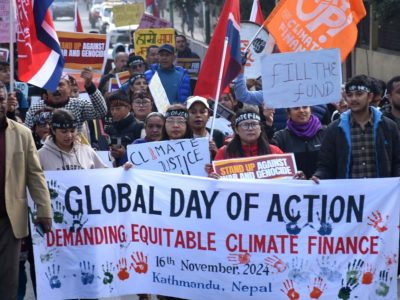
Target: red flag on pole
[
  {"x": 153, "y": 5},
  {"x": 40, "y": 61},
  {"x": 78, "y": 23},
  {"x": 256, "y": 14},
  {"x": 228, "y": 28}
]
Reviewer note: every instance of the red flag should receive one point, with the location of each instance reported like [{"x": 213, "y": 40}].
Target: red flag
[
  {"x": 78, "y": 23},
  {"x": 227, "y": 28},
  {"x": 256, "y": 14},
  {"x": 153, "y": 5},
  {"x": 40, "y": 61}
]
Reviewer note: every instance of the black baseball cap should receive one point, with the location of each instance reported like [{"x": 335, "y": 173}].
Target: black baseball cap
[{"x": 166, "y": 47}]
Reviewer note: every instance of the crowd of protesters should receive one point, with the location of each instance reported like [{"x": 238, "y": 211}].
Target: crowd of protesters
[{"x": 357, "y": 137}]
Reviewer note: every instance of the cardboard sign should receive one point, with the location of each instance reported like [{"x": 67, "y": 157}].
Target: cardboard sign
[
  {"x": 83, "y": 50},
  {"x": 150, "y": 21},
  {"x": 127, "y": 14},
  {"x": 160, "y": 97},
  {"x": 301, "y": 78},
  {"x": 118, "y": 232},
  {"x": 156, "y": 36},
  {"x": 257, "y": 49},
  {"x": 192, "y": 65},
  {"x": 259, "y": 167},
  {"x": 4, "y": 54},
  {"x": 106, "y": 158},
  {"x": 184, "y": 156}
]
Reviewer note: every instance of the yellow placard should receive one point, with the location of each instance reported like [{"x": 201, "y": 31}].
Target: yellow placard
[
  {"x": 127, "y": 14},
  {"x": 153, "y": 36}
]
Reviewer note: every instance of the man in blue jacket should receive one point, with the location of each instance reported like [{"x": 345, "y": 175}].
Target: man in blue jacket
[
  {"x": 362, "y": 143},
  {"x": 175, "y": 80}
]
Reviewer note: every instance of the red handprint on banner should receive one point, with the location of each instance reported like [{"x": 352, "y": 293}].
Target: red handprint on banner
[
  {"x": 241, "y": 258},
  {"x": 318, "y": 288},
  {"x": 122, "y": 267},
  {"x": 377, "y": 221},
  {"x": 275, "y": 262},
  {"x": 390, "y": 260},
  {"x": 139, "y": 263},
  {"x": 288, "y": 290},
  {"x": 368, "y": 274}
]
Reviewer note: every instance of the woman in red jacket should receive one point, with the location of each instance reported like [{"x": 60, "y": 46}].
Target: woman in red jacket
[{"x": 249, "y": 139}]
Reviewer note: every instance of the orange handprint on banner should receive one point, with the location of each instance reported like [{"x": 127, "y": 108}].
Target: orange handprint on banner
[
  {"x": 243, "y": 258},
  {"x": 289, "y": 290},
  {"x": 122, "y": 267},
  {"x": 318, "y": 288},
  {"x": 275, "y": 262},
  {"x": 368, "y": 275},
  {"x": 377, "y": 221},
  {"x": 139, "y": 263}
]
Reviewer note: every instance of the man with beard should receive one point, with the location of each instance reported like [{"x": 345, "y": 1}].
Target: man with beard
[
  {"x": 82, "y": 109},
  {"x": 362, "y": 143},
  {"x": 392, "y": 111}
]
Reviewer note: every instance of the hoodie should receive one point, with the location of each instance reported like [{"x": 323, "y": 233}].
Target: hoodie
[{"x": 79, "y": 157}]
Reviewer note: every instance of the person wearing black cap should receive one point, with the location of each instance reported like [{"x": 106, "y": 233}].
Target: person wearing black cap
[
  {"x": 175, "y": 80},
  {"x": 362, "y": 143}
]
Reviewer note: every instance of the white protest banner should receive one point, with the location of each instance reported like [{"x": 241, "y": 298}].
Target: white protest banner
[
  {"x": 119, "y": 232},
  {"x": 257, "y": 167},
  {"x": 301, "y": 78},
  {"x": 184, "y": 156},
  {"x": 256, "y": 50},
  {"x": 159, "y": 95}
]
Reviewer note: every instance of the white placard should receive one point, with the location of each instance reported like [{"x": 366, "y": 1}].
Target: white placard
[
  {"x": 184, "y": 156},
  {"x": 301, "y": 78},
  {"x": 159, "y": 95}
]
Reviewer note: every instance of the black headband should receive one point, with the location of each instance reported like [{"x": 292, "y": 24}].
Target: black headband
[
  {"x": 247, "y": 116},
  {"x": 177, "y": 113},
  {"x": 136, "y": 77},
  {"x": 64, "y": 125},
  {"x": 354, "y": 88}
]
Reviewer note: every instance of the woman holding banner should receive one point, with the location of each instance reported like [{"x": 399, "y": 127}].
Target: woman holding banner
[
  {"x": 303, "y": 136},
  {"x": 62, "y": 150},
  {"x": 249, "y": 139}
]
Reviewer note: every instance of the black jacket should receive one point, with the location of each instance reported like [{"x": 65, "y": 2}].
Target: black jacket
[
  {"x": 335, "y": 155},
  {"x": 305, "y": 150},
  {"x": 124, "y": 132}
]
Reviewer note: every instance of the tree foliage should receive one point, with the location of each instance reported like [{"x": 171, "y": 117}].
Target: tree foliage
[{"x": 386, "y": 9}]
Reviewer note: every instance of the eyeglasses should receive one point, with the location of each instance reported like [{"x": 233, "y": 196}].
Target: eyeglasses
[
  {"x": 249, "y": 125},
  {"x": 142, "y": 102},
  {"x": 180, "y": 121}
]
